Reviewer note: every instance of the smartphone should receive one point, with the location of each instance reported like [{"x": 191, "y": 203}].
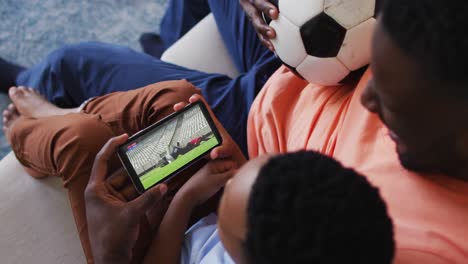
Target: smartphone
[{"x": 162, "y": 150}]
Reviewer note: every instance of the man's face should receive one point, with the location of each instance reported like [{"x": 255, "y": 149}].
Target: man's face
[{"x": 424, "y": 126}]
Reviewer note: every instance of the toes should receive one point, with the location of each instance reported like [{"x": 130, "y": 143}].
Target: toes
[
  {"x": 22, "y": 90},
  {"x": 33, "y": 90},
  {"x": 6, "y": 114},
  {"x": 11, "y": 107},
  {"x": 9, "y": 113},
  {"x": 15, "y": 92},
  {"x": 12, "y": 91}
]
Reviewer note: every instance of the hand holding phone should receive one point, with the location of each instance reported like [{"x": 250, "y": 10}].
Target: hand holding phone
[
  {"x": 164, "y": 149},
  {"x": 229, "y": 149},
  {"x": 207, "y": 181},
  {"x": 114, "y": 240}
]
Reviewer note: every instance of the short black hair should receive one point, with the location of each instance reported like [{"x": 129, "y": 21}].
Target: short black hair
[
  {"x": 434, "y": 34},
  {"x": 307, "y": 208}
]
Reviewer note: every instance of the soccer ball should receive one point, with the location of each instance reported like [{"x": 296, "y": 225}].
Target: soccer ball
[{"x": 324, "y": 41}]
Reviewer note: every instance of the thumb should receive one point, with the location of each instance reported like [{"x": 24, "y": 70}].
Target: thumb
[{"x": 147, "y": 200}]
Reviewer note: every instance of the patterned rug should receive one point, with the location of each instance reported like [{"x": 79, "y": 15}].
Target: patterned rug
[{"x": 30, "y": 29}]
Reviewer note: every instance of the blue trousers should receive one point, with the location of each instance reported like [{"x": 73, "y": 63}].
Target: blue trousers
[{"x": 74, "y": 73}]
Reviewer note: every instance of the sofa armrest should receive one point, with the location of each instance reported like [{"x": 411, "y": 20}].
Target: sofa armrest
[{"x": 37, "y": 225}]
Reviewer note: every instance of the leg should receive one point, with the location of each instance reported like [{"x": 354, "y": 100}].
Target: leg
[
  {"x": 64, "y": 146},
  {"x": 142, "y": 107},
  {"x": 75, "y": 73},
  {"x": 69, "y": 143},
  {"x": 67, "y": 147}
]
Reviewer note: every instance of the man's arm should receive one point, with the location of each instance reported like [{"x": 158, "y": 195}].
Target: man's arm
[{"x": 167, "y": 244}]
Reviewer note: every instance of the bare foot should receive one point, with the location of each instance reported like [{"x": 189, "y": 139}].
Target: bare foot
[
  {"x": 30, "y": 103},
  {"x": 10, "y": 116}
]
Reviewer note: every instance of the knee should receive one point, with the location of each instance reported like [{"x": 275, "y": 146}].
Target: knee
[
  {"x": 177, "y": 91},
  {"x": 181, "y": 92},
  {"x": 162, "y": 99},
  {"x": 71, "y": 54}
]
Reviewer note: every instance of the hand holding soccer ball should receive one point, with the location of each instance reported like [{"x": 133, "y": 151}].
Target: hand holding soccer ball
[
  {"x": 254, "y": 10},
  {"x": 322, "y": 41}
]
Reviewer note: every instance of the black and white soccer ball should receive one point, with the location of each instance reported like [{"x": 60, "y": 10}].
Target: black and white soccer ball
[{"x": 324, "y": 41}]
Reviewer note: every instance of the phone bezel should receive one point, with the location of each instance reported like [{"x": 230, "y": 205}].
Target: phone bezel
[{"x": 129, "y": 167}]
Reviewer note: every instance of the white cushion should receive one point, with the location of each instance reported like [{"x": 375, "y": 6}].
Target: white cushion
[
  {"x": 202, "y": 48},
  {"x": 37, "y": 225}
]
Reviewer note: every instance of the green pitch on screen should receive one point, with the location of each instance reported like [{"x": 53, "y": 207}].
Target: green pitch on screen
[{"x": 156, "y": 175}]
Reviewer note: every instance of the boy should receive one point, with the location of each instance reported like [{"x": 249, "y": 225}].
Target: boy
[{"x": 293, "y": 208}]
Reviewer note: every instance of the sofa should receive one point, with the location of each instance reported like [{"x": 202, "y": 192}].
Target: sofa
[{"x": 37, "y": 225}]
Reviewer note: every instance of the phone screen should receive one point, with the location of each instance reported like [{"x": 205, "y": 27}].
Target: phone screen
[{"x": 170, "y": 146}]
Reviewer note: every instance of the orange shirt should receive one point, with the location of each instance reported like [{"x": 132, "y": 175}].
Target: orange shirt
[{"x": 430, "y": 213}]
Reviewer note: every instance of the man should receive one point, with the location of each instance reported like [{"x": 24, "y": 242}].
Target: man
[{"x": 413, "y": 100}]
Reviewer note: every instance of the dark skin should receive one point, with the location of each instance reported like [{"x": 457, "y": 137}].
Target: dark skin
[
  {"x": 113, "y": 222},
  {"x": 112, "y": 240},
  {"x": 254, "y": 9},
  {"x": 428, "y": 127}
]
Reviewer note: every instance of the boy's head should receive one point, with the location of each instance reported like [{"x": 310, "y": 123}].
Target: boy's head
[
  {"x": 420, "y": 82},
  {"x": 303, "y": 208}
]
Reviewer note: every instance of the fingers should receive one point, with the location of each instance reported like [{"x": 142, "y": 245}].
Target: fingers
[
  {"x": 229, "y": 148},
  {"x": 267, "y": 7},
  {"x": 255, "y": 10},
  {"x": 147, "y": 200},
  {"x": 129, "y": 192},
  {"x": 266, "y": 42},
  {"x": 221, "y": 166},
  {"x": 195, "y": 98},
  {"x": 179, "y": 106},
  {"x": 119, "y": 179},
  {"x": 221, "y": 152},
  {"x": 224, "y": 151},
  {"x": 99, "y": 171}
]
